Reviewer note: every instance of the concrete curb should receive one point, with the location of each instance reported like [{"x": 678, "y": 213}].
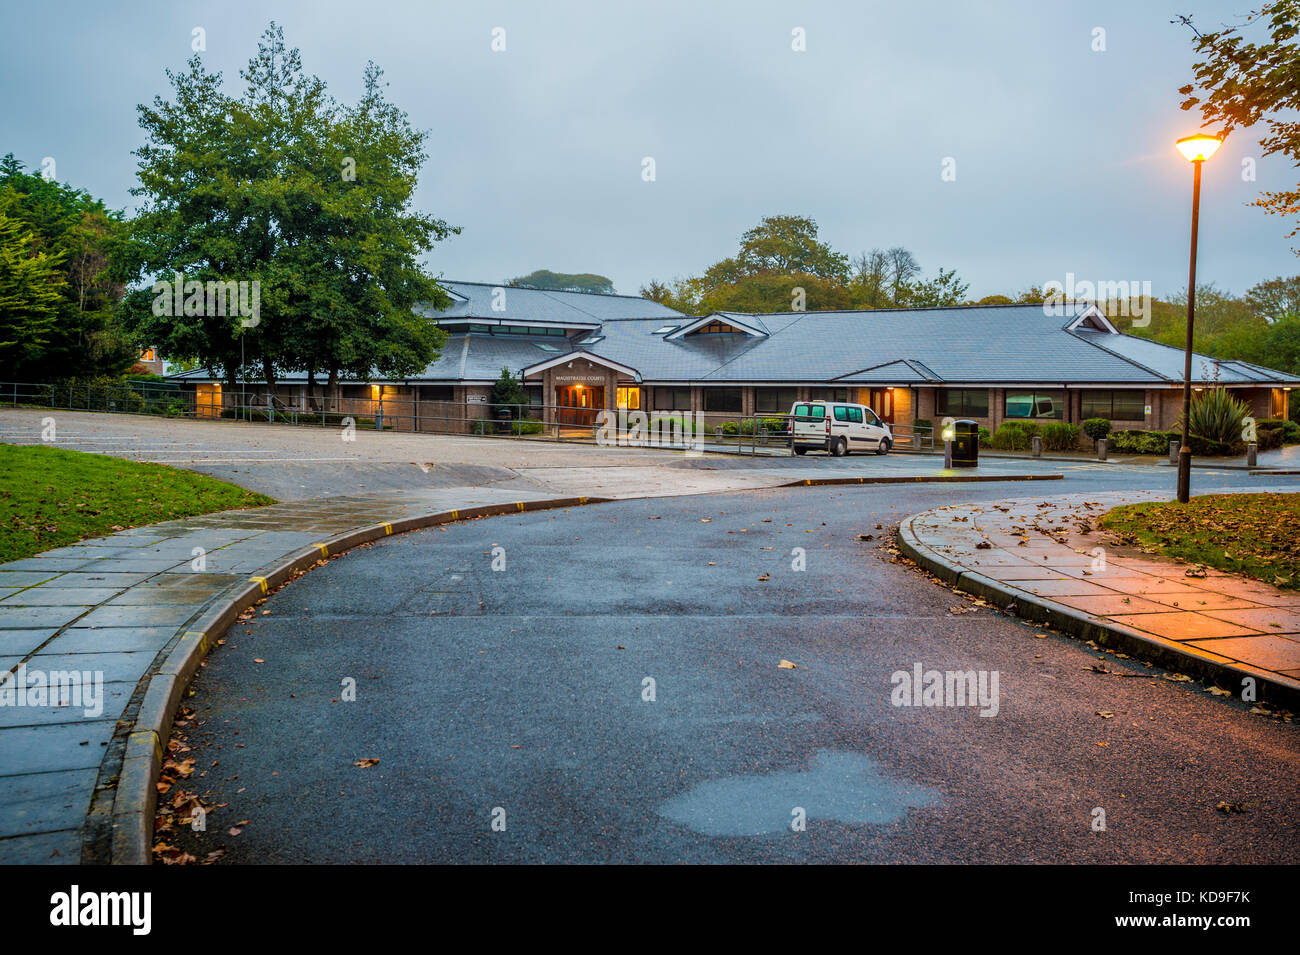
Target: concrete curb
[
  {"x": 923, "y": 479},
  {"x": 136, "y": 797},
  {"x": 1272, "y": 687}
]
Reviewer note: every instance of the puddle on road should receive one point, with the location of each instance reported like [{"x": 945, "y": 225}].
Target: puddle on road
[{"x": 846, "y": 787}]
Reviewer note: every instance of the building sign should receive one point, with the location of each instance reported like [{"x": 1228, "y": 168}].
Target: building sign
[
  {"x": 1146, "y": 410},
  {"x": 598, "y": 379},
  {"x": 480, "y": 399}
]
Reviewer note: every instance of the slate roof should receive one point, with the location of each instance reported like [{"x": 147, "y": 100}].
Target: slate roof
[{"x": 988, "y": 345}]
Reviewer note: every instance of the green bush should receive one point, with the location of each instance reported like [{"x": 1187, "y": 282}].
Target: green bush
[
  {"x": 1268, "y": 439},
  {"x": 1135, "y": 441},
  {"x": 1157, "y": 442},
  {"x": 1009, "y": 437},
  {"x": 729, "y": 428},
  {"x": 773, "y": 425},
  {"x": 920, "y": 423},
  {"x": 1060, "y": 436},
  {"x": 1215, "y": 415},
  {"x": 1096, "y": 428},
  {"x": 1290, "y": 430},
  {"x": 985, "y": 435},
  {"x": 663, "y": 424}
]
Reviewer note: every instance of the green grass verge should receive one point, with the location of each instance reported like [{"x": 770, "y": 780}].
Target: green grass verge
[
  {"x": 1251, "y": 534},
  {"x": 50, "y": 497}
]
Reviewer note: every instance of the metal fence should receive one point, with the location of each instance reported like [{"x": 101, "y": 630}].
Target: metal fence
[{"x": 766, "y": 434}]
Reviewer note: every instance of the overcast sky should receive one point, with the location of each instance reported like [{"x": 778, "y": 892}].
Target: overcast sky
[{"x": 1064, "y": 156}]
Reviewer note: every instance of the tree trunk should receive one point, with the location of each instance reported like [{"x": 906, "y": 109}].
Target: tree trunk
[
  {"x": 311, "y": 389},
  {"x": 332, "y": 389}
]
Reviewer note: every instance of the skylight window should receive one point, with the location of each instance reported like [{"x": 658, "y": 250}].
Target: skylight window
[
  {"x": 665, "y": 330},
  {"x": 591, "y": 340},
  {"x": 545, "y": 347}
]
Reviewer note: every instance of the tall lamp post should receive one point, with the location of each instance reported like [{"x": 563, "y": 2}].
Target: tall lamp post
[{"x": 1195, "y": 149}]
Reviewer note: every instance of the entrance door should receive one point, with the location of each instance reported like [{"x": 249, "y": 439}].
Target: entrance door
[
  {"x": 579, "y": 404},
  {"x": 882, "y": 403}
]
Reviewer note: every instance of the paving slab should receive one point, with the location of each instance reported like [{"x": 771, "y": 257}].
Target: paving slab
[{"x": 1044, "y": 555}]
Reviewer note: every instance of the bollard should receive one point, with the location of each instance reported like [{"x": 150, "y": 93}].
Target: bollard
[
  {"x": 1101, "y": 449},
  {"x": 1174, "y": 445},
  {"x": 1251, "y": 450},
  {"x": 1038, "y": 446}
]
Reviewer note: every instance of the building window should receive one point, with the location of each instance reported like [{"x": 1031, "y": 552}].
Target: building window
[
  {"x": 629, "y": 397},
  {"x": 1126, "y": 405},
  {"x": 828, "y": 394},
  {"x": 436, "y": 393},
  {"x": 672, "y": 399},
  {"x": 1035, "y": 404},
  {"x": 725, "y": 400},
  {"x": 774, "y": 400},
  {"x": 966, "y": 402}
]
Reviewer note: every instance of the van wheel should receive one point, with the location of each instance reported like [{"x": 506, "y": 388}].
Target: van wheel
[
  {"x": 840, "y": 448},
  {"x": 884, "y": 446},
  {"x": 800, "y": 451}
]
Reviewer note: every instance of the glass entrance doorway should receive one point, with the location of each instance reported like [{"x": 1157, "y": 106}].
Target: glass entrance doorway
[{"x": 579, "y": 404}]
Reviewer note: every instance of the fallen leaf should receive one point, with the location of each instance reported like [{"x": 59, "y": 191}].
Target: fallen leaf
[{"x": 787, "y": 665}]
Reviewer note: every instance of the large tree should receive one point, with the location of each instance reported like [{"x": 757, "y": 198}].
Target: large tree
[
  {"x": 61, "y": 281},
  {"x": 312, "y": 201},
  {"x": 1244, "y": 84},
  {"x": 565, "y": 282}
]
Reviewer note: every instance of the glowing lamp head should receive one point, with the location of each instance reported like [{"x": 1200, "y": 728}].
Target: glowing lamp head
[
  {"x": 949, "y": 433},
  {"x": 1198, "y": 148}
]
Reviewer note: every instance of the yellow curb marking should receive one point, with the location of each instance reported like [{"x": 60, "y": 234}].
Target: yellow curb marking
[
  {"x": 157, "y": 743},
  {"x": 519, "y": 504},
  {"x": 203, "y": 638},
  {"x": 455, "y": 515},
  {"x": 582, "y": 500},
  {"x": 324, "y": 550},
  {"x": 260, "y": 581},
  {"x": 388, "y": 528}
]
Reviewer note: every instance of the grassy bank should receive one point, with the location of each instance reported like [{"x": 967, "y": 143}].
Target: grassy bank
[
  {"x": 1251, "y": 534},
  {"x": 50, "y": 497}
]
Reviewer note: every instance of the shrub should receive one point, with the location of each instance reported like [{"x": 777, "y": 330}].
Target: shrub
[
  {"x": 1216, "y": 415},
  {"x": 1136, "y": 441},
  {"x": 1009, "y": 437},
  {"x": 1157, "y": 442},
  {"x": 1096, "y": 428},
  {"x": 1290, "y": 430},
  {"x": 1060, "y": 436},
  {"x": 730, "y": 428},
  {"x": 1268, "y": 439},
  {"x": 773, "y": 425},
  {"x": 985, "y": 435},
  {"x": 663, "y": 424},
  {"x": 920, "y": 423}
]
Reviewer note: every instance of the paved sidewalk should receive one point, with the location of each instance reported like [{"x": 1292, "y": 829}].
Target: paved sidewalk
[{"x": 1045, "y": 557}]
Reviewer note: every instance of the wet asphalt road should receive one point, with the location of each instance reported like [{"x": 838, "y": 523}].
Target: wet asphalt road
[{"x": 519, "y": 695}]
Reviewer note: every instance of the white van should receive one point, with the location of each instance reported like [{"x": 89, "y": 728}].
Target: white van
[{"x": 838, "y": 427}]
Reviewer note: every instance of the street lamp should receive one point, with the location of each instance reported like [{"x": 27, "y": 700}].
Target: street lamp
[{"x": 1195, "y": 149}]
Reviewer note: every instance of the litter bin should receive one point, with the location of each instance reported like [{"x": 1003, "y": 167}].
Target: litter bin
[
  {"x": 504, "y": 417},
  {"x": 965, "y": 444}
]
